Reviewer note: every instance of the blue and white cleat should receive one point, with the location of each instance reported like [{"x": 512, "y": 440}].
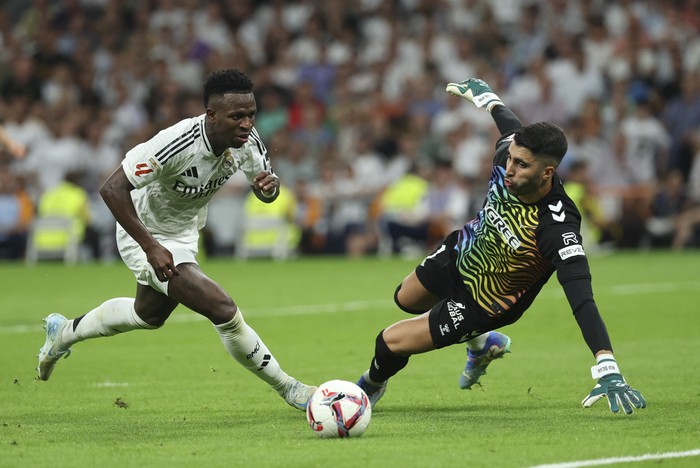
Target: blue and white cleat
[
  {"x": 51, "y": 352},
  {"x": 497, "y": 345},
  {"x": 374, "y": 393},
  {"x": 297, "y": 394}
]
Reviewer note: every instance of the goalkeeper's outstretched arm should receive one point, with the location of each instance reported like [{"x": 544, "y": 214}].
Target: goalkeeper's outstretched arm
[
  {"x": 479, "y": 93},
  {"x": 506, "y": 120}
]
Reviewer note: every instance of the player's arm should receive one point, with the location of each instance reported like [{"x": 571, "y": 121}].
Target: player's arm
[
  {"x": 266, "y": 186},
  {"x": 116, "y": 192},
  {"x": 479, "y": 93},
  {"x": 611, "y": 384}
]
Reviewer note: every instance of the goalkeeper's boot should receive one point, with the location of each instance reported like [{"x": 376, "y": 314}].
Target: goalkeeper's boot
[
  {"x": 51, "y": 352},
  {"x": 497, "y": 345},
  {"x": 374, "y": 392},
  {"x": 297, "y": 394}
]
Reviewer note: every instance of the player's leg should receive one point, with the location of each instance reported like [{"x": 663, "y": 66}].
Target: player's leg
[
  {"x": 117, "y": 315},
  {"x": 393, "y": 347},
  {"x": 481, "y": 351},
  {"x": 412, "y": 297},
  {"x": 198, "y": 292}
]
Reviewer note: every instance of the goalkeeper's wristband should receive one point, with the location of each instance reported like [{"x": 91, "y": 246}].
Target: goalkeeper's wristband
[
  {"x": 606, "y": 365},
  {"x": 490, "y": 100}
]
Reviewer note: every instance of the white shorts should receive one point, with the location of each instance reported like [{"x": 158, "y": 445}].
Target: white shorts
[{"x": 135, "y": 258}]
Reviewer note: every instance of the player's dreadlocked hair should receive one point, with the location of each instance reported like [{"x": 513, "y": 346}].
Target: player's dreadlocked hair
[
  {"x": 544, "y": 139},
  {"x": 228, "y": 80}
]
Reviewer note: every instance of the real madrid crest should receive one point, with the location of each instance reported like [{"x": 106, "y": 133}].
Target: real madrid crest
[{"x": 228, "y": 159}]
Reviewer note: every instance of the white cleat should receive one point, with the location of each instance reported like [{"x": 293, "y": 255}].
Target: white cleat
[
  {"x": 297, "y": 394},
  {"x": 50, "y": 353}
]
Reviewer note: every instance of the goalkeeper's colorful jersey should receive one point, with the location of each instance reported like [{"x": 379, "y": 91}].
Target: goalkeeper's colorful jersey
[
  {"x": 175, "y": 174},
  {"x": 509, "y": 251}
]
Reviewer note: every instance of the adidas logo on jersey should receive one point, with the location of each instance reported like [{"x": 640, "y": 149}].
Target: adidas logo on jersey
[{"x": 191, "y": 172}]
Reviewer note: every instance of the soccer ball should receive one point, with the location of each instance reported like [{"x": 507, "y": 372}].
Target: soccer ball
[{"x": 338, "y": 409}]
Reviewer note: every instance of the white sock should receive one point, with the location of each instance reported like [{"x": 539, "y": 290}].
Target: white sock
[
  {"x": 111, "y": 317},
  {"x": 246, "y": 347},
  {"x": 478, "y": 342}
]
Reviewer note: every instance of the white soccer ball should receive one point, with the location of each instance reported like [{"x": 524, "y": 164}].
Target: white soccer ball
[{"x": 338, "y": 409}]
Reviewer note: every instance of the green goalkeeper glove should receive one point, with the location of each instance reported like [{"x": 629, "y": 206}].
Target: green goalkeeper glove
[
  {"x": 476, "y": 91},
  {"x": 613, "y": 386}
]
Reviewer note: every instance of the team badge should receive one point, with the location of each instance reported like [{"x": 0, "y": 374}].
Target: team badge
[{"x": 228, "y": 160}]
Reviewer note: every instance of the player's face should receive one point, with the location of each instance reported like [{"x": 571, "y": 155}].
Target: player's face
[
  {"x": 527, "y": 178},
  {"x": 230, "y": 119}
]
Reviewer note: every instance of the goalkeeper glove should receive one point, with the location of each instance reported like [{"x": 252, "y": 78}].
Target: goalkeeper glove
[
  {"x": 475, "y": 91},
  {"x": 613, "y": 386}
]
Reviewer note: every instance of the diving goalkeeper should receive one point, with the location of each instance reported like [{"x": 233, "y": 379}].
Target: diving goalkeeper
[{"x": 487, "y": 274}]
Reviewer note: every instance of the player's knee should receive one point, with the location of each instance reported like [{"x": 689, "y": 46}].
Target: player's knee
[
  {"x": 393, "y": 340},
  {"x": 398, "y": 303},
  {"x": 220, "y": 310}
]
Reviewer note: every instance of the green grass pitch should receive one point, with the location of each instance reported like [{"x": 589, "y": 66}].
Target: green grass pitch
[{"x": 173, "y": 397}]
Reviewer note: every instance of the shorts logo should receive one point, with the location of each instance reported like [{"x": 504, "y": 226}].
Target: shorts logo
[
  {"x": 455, "y": 309},
  {"x": 444, "y": 329}
]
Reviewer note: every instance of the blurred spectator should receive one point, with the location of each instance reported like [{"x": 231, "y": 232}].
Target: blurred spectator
[
  {"x": 682, "y": 117},
  {"x": 415, "y": 211},
  {"x": 667, "y": 205},
  {"x": 400, "y": 216},
  {"x": 309, "y": 219},
  {"x": 15, "y": 149},
  {"x": 15, "y": 216},
  {"x": 595, "y": 228},
  {"x": 644, "y": 143},
  {"x": 333, "y": 73},
  {"x": 69, "y": 200}
]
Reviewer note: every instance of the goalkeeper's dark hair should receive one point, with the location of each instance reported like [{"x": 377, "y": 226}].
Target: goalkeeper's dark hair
[
  {"x": 545, "y": 139},
  {"x": 228, "y": 80}
]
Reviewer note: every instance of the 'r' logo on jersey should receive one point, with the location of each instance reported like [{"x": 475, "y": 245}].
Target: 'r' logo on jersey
[{"x": 569, "y": 238}]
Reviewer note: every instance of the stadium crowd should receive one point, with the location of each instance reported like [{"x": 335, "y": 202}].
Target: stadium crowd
[{"x": 374, "y": 155}]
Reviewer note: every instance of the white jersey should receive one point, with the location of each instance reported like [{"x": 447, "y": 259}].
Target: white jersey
[{"x": 175, "y": 174}]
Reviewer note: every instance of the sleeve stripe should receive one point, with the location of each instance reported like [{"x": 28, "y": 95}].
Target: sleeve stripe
[
  {"x": 258, "y": 141},
  {"x": 177, "y": 145}
]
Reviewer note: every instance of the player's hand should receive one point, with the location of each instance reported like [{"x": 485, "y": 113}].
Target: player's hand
[
  {"x": 162, "y": 262},
  {"x": 267, "y": 183},
  {"x": 476, "y": 91},
  {"x": 618, "y": 392}
]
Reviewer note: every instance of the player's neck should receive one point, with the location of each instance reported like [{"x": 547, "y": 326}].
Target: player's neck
[{"x": 537, "y": 195}]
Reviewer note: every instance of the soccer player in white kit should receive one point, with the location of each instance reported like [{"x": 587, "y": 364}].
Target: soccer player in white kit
[{"x": 159, "y": 196}]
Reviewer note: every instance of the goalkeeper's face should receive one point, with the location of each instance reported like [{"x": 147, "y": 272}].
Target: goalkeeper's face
[{"x": 527, "y": 177}]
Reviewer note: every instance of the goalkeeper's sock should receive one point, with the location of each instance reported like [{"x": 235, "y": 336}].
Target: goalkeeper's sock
[
  {"x": 109, "y": 318},
  {"x": 385, "y": 363},
  {"x": 246, "y": 347},
  {"x": 477, "y": 343}
]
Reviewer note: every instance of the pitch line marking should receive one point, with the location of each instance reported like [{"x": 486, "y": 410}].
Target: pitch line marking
[
  {"x": 611, "y": 461},
  {"x": 349, "y": 306}
]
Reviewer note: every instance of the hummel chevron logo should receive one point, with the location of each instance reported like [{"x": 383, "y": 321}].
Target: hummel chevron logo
[
  {"x": 191, "y": 172},
  {"x": 555, "y": 211}
]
